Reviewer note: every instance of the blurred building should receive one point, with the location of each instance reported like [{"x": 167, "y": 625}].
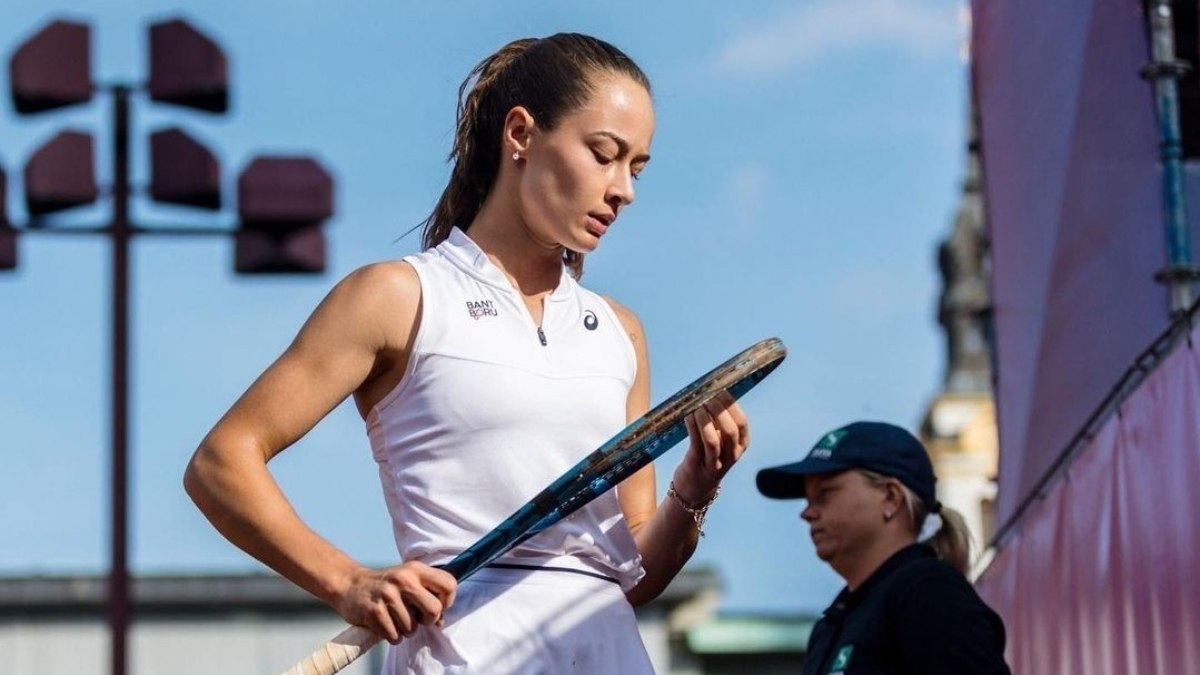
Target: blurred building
[
  {"x": 959, "y": 426},
  {"x": 259, "y": 623},
  {"x": 763, "y": 645}
]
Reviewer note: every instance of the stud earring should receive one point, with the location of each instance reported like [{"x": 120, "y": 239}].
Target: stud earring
[
  {"x": 887, "y": 516},
  {"x": 516, "y": 156}
]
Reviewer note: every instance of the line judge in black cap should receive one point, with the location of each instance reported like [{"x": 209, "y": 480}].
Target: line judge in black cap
[{"x": 874, "y": 517}]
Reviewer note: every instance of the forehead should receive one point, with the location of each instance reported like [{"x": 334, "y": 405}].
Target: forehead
[
  {"x": 816, "y": 481},
  {"x": 617, "y": 104}
]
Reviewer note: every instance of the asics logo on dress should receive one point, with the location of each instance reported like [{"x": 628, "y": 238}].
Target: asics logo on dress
[
  {"x": 481, "y": 308},
  {"x": 590, "y": 321}
]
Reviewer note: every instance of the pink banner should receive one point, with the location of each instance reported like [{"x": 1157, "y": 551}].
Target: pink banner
[
  {"x": 1074, "y": 209},
  {"x": 1100, "y": 577}
]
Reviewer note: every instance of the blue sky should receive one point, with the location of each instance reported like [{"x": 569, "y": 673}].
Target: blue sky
[{"x": 807, "y": 160}]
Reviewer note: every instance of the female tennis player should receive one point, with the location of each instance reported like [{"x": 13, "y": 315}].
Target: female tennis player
[{"x": 483, "y": 370}]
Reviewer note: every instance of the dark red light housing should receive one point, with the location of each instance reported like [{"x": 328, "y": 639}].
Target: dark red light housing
[
  {"x": 60, "y": 174},
  {"x": 187, "y": 68},
  {"x": 183, "y": 171},
  {"x": 298, "y": 250},
  {"x": 8, "y": 248},
  {"x": 282, "y": 202},
  {"x": 8, "y": 236},
  {"x": 284, "y": 191},
  {"x": 52, "y": 69}
]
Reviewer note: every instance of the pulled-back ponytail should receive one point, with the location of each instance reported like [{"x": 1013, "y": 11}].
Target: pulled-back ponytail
[
  {"x": 951, "y": 542},
  {"x": 549, "y": 77},
  {"x": 474, "y": 155}
]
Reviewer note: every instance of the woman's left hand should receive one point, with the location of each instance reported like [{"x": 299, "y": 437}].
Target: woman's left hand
[{"x": 718, "y": 434}]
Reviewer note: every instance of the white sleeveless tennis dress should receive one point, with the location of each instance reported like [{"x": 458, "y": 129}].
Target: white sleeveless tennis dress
[{"x": 492, "y": 408}]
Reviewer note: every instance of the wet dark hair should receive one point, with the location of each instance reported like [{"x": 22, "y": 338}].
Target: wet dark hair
[{"x": 550, "y": 77}]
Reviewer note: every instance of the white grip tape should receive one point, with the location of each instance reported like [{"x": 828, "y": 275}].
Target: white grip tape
[{"x": 337, "y": 653}]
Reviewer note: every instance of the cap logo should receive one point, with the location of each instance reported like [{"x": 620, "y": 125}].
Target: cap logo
[{"x": 824, "y": 447}]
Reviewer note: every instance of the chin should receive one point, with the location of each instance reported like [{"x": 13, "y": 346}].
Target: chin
[{"x": 585, "y": 244}]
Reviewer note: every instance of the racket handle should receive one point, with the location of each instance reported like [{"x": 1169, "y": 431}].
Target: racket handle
[{"x": 336, "y": 654}]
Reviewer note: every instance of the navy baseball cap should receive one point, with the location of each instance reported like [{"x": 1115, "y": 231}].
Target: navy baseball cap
[{"x": 876, "y": 446}]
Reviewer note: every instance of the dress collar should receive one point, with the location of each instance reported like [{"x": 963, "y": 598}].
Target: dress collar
[{"x": 466, "y": 254}]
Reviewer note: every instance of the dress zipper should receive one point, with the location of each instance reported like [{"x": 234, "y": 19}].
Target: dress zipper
[{"x": 541, "y": 336}]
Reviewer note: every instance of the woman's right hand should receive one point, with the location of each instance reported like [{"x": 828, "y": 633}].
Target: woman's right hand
[{"x": 393, "y": 601}]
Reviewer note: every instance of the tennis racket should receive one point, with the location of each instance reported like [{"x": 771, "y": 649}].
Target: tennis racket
[{"x": 623, "y": 455}]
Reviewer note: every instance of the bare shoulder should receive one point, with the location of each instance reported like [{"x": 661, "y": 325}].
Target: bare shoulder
[
  {"x": 372, "y": 312},
  {"x": 629, "y": 321},
  {"x": 372, "y": 307},
  {"x": 393, "y": 280},
  {"x": 386, "y": 295}
]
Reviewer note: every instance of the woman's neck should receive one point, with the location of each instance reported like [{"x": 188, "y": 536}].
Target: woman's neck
[
  {"x": 534, "y": 267},
  {"x": 861, "y": 568}
]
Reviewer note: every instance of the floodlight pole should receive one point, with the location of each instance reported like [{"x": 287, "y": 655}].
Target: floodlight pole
[
  {"x": 121, "y": 232},
  {"x": 266, "y": 252}
]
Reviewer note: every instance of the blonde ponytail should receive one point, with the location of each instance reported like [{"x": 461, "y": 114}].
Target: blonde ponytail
[{"x": 951, "y": 542}]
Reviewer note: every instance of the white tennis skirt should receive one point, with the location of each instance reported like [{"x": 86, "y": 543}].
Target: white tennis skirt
[{"x": 526, "y": 622}]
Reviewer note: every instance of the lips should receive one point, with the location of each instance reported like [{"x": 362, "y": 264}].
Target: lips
[{"x": 598, "y": 224}]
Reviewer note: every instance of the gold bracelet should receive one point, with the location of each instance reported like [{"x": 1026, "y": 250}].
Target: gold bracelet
[{"x": 698, "y": 513}]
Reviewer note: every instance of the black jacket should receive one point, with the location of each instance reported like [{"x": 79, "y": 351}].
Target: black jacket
[{"x": 914, "y": 615}]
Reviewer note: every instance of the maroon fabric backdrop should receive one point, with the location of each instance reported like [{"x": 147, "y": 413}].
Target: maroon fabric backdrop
[
  {"x": 1100, "y": 579},
  {"x": 1074, "y": 209}
]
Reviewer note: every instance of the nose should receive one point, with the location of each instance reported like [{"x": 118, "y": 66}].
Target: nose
[
  {"x": 620, "y": 190},
  {"x": 808, "y": 514}
]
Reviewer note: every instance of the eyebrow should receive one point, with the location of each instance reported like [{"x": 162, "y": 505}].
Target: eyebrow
[
  {"x": 622, "y": 145},
  {"x": 819, "y": 482}
]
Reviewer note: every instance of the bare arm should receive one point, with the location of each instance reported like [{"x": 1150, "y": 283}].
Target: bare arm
[
  {"x": 361, "y": 329},
  {"x": 666, "y": 534}
]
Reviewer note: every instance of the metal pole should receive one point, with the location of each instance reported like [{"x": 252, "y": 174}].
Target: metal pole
[
  {"x": 121, "y": 232},
  {"x": 1165, "y": 72}
]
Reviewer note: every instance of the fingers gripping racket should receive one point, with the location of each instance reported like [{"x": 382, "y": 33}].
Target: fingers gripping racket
[{"x": 623, "y": 455}]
